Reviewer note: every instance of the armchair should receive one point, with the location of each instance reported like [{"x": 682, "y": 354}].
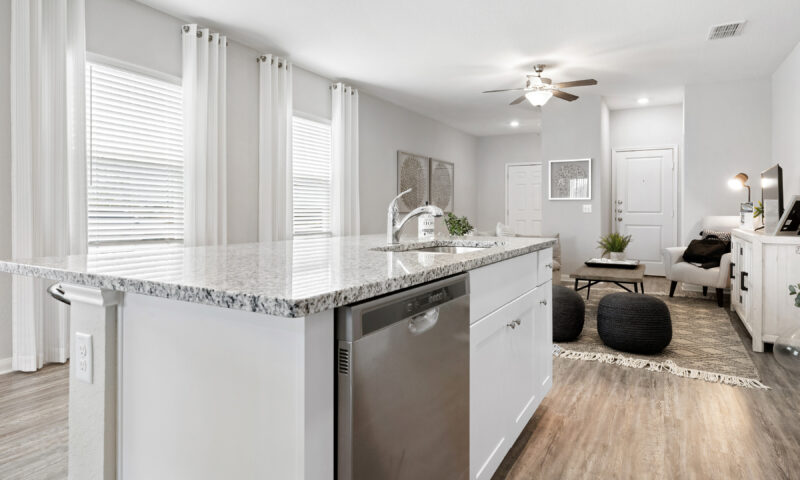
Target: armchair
[{"x": 719, "y": 278}]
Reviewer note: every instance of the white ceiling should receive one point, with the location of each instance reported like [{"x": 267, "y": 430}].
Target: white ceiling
[{"x": 436, "y": 56}]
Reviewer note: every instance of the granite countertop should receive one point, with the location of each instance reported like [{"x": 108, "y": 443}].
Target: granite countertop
[{"x": 287, "y": 278}]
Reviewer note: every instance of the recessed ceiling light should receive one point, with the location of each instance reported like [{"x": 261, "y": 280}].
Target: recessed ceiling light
[
  {"x": 643, "y": 101},
  {"x": 514, "y": 123}
]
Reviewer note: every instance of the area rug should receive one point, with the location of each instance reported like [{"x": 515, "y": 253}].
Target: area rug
[{"x": 704, "y": 345}]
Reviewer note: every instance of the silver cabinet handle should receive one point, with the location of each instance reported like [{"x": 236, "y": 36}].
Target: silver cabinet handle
[
  {"x": 549, "y": 265},
  {"x": 619, "y": 202},
  {"x": 543, "y": 302},
  {"x": 58, "y": 293},
  {"x": 619, "y": 219},
  {"x": 512, "y": 325}
]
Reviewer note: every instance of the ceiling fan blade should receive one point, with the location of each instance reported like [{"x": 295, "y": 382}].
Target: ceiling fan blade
[
  {"x": 520, "y": 99},
  {"x": 564, "y": 95},
  {"x": 576, "y": 83},
  {"x": 504, "y": 90}
]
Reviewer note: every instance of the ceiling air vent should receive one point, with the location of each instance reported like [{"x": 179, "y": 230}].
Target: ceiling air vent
[{"x": 726, "y": 31}]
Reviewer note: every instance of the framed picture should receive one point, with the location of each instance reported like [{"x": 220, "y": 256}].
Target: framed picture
[
  {"x": 442, "y": 184},
  {"x": 413, "y": 171},
  {"x": 571, "y": 179}
]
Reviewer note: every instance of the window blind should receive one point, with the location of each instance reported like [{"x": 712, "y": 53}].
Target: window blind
[
  {"x": 311, "y": 177},
  {"x": 134, "y": 143}
]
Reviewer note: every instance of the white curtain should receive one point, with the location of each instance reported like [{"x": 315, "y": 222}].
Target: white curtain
[
  {"x": 48, "y": 166},
  {"x": 274, "y": 149},
  {"x": 344, "y": 139},
  {"x": 204, "y": 133}
]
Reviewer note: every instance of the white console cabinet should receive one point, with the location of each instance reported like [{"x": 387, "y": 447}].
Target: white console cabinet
[
  {"x": 763, "y": 268},
  {"x": 511, "y": 354}
]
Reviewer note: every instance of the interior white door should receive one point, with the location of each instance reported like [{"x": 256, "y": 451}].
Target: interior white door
[
  {"x": 645, "y": 203},
  {"x": 524, "y": 198}
]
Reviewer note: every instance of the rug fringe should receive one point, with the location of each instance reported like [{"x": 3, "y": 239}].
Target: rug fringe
[{"x": 653, "y": 366}]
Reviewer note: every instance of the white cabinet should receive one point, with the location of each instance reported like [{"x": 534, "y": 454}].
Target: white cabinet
[
  {"x": 742, "y": 258},
  {"x": 764, "y": 267},
  {"x": 511, "y": 365}
]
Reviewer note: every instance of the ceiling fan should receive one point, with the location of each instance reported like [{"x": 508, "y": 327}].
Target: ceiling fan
[{"x": 538, "y": 90}]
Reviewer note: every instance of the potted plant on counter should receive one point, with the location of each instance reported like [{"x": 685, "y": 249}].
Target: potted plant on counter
[
  {"x": 614, "y": 244},
  {"x": 457, "y": 226}
]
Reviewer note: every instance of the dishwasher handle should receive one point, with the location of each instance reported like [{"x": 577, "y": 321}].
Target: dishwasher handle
[{"x": 419, "y": 324}]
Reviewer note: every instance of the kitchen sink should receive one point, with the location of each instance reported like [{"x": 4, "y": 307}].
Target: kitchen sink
[{"x": 447, "y": 249}]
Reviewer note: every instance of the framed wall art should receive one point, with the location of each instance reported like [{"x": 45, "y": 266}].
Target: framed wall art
[
  {"x": 570, "y": 179},
  {"x": 413, "y": 171},
  {"x": 442, "y": 187}
]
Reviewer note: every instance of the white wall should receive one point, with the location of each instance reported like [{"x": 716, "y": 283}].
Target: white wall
[
  {"x": 386, "y": 128},
  {"x": 649, "y": 126},
  {"x": 726, "y": 131},
  {"x": 786, "y": 122},
  {"x": 5, "y": 179},
  {"x": 572, "y": 130},
  {"x": 494, "y": 152}
]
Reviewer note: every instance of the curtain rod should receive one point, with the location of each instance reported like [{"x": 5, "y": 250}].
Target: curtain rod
[
  {"x": 186, "y": 28},
  {"x": 334, "y": 86},
  {"x": 281, "y": 62}
]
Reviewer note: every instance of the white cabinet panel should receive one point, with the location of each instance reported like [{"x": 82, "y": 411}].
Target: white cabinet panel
[
  {"x": 510, "y": 371},
  {"x": 545, "y": 266},
  {"x": 495, "y": 285}
]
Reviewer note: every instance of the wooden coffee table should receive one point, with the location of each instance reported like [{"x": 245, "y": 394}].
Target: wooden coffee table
[{"x": 618, "y": 276}]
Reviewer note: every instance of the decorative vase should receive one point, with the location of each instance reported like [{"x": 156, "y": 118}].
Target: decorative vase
[
  {"x": 787, "y": 351},
  {"x": 618, "y": 256}
]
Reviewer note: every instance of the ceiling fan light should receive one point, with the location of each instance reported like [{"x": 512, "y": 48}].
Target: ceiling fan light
[{"x": 537, "y": 98}]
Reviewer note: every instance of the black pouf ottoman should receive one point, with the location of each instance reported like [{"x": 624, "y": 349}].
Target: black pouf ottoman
[
  {"x": 634, "y": 323},
  {"x": 568, "y": 314}
]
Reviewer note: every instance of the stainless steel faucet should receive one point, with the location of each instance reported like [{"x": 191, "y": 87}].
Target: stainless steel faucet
[{"x": 394, "y": 224}]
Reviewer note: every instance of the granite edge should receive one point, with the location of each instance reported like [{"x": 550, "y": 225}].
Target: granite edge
[{"x": 281, "y": 307}]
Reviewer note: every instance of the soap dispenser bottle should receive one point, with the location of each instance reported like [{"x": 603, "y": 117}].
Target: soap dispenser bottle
[{"x": 425, "y": 226}]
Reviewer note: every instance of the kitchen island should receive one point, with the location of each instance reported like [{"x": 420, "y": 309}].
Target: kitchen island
[{"x": 218, "y": 362}]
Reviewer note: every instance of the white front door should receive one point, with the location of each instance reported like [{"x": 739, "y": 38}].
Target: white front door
[
  {"x": 524, "y": 198},
  {"x": 644, "y": 207}
]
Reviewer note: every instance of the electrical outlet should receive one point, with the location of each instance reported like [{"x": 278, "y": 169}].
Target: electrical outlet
[
  {"x": 587, "y": 208},
  {"x": 84, "y": 357}
]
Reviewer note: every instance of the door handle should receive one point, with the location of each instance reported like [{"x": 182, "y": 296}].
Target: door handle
[
  {"x": 741, "y": 281},
  {"x": 513, "y": 324},
  {"x": 619, "y": 219},
  {"x": 423, "y": 322},
  {"x": 619, "y": 202},
  {"x": 543, "y": 302},
  {"x": 619, "y": 210},
  {"x": 56, "y": 291}
]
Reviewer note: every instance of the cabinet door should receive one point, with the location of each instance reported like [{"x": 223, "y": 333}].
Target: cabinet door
[
  {"x": 545, "y": 273},
  {"x": 501, "y": 381},
  {"x": 735, "y": 273},
  {"x": 746, "y": 262},
  {"x": 543, "y": 340}
]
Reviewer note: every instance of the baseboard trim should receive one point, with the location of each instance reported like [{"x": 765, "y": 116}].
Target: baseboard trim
[{"x": 5, "y": 365}]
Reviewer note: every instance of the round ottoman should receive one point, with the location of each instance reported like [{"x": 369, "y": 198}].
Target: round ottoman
[
  {"x": 568, "y": 314},
  {"x": 634, "y": 323}
]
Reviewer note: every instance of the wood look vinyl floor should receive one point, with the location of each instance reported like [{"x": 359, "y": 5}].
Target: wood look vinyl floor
[{"x": 598, "y": 422}]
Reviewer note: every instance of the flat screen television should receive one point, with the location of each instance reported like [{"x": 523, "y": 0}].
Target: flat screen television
[{"x": 772, "y": 197}]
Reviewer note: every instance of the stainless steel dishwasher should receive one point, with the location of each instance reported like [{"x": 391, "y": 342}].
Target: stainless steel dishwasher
[{"x": 403, "y": 384}]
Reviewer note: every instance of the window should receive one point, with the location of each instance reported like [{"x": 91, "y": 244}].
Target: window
[
  {"x": 311, "y": 177},
  {"x": 134, "y": 142}
]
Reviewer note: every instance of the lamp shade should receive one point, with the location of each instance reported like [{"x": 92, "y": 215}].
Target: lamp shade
[
  {"x": 739, "y": 181},
  {"x": 537, "y": 98}
]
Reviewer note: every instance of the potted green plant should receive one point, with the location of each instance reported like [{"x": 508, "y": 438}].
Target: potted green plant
[
  {"x": 457, "y": 226},
  {"x": 614, "y": 245}
]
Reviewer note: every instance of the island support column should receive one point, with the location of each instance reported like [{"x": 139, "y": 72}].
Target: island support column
[{"x": 93, "y": 406}]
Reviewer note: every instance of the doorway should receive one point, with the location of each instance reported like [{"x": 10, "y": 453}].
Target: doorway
[
  {"x": 645, "y": 201},
  {"x": 524, "y": 198}
]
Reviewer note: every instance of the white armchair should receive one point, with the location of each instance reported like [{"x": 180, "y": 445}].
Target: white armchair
[{"x": 719, "y": 278}]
